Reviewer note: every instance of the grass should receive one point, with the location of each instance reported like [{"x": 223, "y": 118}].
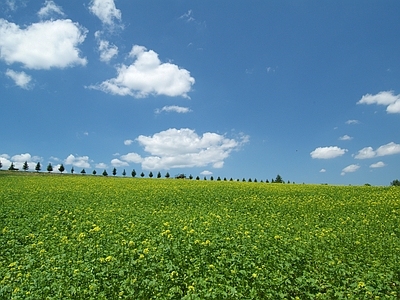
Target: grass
[{"x": 95, "y": 237}]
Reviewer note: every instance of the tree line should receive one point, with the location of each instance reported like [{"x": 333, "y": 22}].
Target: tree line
[{"x": 61, "y": 169}]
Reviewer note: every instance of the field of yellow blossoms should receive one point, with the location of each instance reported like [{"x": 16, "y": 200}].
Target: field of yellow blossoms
[{"x": 94, "y": 237}]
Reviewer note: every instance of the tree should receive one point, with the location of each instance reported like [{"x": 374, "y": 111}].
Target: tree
[
  {"x": 211, "y": 178},
  {"x": 94, "y": 172},
  {"x": 114, "y": 172},
  {"x": 133, "y": 173},
  {"x": 124, "y": 173},
  {"x": 83, "y": 172},
  {"x": 278, "y": 179},
  {"x": 158, "y": 175},
  {"x": 12, "y": 168},
  {"x": 49, "y": 168},
  {"x": 395, "y": 182},
  {"x": 190, "y": 177},
  {"x": 218, "y": 178},
  {"x": 266, "y": 181},
  {"x": 167, "y": 175},
  {"x": 38, "y": 167},
  {"x": 151, "y": 174},
  {"x": 25, "y": 166},
  {"x": 142, "y": 174},
  {"x": 72, "y": 170},
  {"x": 197, "y": 178},
  {"x": 61, "y": 168},
  {"x": 105, "y": 173},
  {"x": 1, "y": 165}
]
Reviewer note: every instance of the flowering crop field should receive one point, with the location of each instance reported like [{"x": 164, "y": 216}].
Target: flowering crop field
[{"x": 94, "y": 237}]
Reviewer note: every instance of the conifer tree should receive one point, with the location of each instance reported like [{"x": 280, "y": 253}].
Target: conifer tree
[
  {"x": 133, "y": 173},
  {"x": 61, "y": 168},
  {"x": 38, "y": 167},
  {"x": 25, "y": 166},
  {"x": 49, "y": 168}
]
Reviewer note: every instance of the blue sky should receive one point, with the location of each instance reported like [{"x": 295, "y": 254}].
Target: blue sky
[{"x": 309, "y": 90}]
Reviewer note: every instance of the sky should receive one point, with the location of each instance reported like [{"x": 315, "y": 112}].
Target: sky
[{"x": 308, "y": 90}]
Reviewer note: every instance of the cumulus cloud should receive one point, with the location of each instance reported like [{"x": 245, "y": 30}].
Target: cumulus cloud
[
  {"x": 206, "y": 173},
  {"x": 345, "y": 138},
  {"x": 21, "y": 79},
  {"x": 80, "y": 161},
  {"x": 101, "y": 166},
  {"x": 182, "y": 148},
  {"x": 384, "y": 150},
  {"x": 173, "y": 108},
  {"x": 106, "y": 11},
  {"x": 322, "y": 171},
  {"x": 132, "y": 158},
  {"x": 128, "y": 142},
  {"x": 386, "y": 98},
  {"x": 119, "y": 163},
  {"x": 147, "y": 75},
  {"x": 327, "y": 152},
  {"x": 350, "y": 169},
  {"x": 49, "y": 9},
  {"x": 44, "y": 45},
  {"x": 379, "y": 164},
  {"x": 19, "y": 160}
]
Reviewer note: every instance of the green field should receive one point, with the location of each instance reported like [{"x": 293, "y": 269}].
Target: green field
[{"x": 95, "y": 237}]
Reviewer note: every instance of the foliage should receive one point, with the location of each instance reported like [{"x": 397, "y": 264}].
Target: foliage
[
  {"x": 133, "y": 173},
  {"x": 395, "y": 182},
  {"x": 61, "y": 168},
  {"x": 49, "y": 168},
  {"x": 279, "y": 179},
  {"x": 85, "y": 237},
  {"x": 38, "y": 167},
  {"x": 114, "y": 171},
  {"x": 25, "y": 166}
]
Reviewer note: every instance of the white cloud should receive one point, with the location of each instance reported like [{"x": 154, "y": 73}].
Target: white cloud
[
  {"x": 350, "y": 169},
  {"x": 173, "y": 108},
  {"x": 322, "y": 171},
  {"x": 386, "y": 98},
  {"x": 384, "y": 150},
  {"x": 19, "y": 160},
  {"x": 379, "y": 164},
  {"x": 128, "y": 142},
  {"x": 44, "y": 45},
  {"x": 106, "y": 11},
  {"x": 101, "y": 166},
  {"x": 367, "y": 152},
  {"x": 188, "y": 16},
  {"x": 181, "y": 148},
  {"x": 388, "y": 149},
  {"x": 49, "y": 9},
  {"x": 80, "y": 161},
  {"x": 345, "y": 138},
  {"x": 132, "y": 158},
  {"x": 350, "y": 122},
  {"x": 118, "y": 163},
  {"x": 327, "y": 152},
  {"x": 206, "y": 173},
  {"x": 21, "y": 79},
  {"x": 107, "y": 51},
  {"x": 148, "y": 76}
]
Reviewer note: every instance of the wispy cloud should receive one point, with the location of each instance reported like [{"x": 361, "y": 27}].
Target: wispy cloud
[
  {"x": 188, "y": 16},
  {"x": 106, "y": 11},
  {"x": 379, "y": 164},
  {"x": 49, "y": 9},
  {"x": 352, "y": 122},
  {"x": 173, "y": 108}
]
